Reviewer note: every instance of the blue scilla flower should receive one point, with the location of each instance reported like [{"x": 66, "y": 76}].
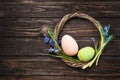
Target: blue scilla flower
[
  {"x": 51, "y": 42},
  {"x": 53, "y": 50},
  {"x": 59, "y": 42},
  {"x": 46, "y": 39},
  {"x": 56, "y": 50},
  {"x": 93, "y": 39},
  {"x": 105, "y": 33},
  {"x": 105, "y": 30},
  {"x": 107, "y": 38}
]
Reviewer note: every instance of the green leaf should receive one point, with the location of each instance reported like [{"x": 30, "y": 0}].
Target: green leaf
[
  {"x": 110, "y": 38},
  {"x": 64, "y": 56}
]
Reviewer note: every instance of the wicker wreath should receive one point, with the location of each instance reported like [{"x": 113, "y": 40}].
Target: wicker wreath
[{"x": 52, "y": 38}]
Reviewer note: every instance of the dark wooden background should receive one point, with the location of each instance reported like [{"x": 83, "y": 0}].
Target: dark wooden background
[{"x": 23, "y": 54}]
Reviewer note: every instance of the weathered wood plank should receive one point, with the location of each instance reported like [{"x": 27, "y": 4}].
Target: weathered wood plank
[
  {"x": 31, "y": 26},
  {"x": 37, "y": 22},
  {"x": 55, "y": 78},
  {"x": 32, "y": 46},
  {"x": 33, "y": 1},
  {"x": 41, "y": 62},
  {"x": 62, "y": 2},
  {"x": 36, "y": 33},
  {"x": 42, "y": 66},
  {"x": 59, "y": 9},
  {"x": 23, "y": 58}
]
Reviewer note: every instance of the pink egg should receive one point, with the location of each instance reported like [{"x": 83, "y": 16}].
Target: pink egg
[{"x": 69, "y": 45}]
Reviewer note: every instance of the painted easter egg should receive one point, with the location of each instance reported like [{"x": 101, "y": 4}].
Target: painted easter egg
[
  {"x": 86, "y": 54},
  {"x": 69, "y": 45}
]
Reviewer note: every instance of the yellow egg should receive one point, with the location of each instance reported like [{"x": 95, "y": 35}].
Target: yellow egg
[
  {"x": 86, "y": 54},
  {"x": 69, "y": 45}
]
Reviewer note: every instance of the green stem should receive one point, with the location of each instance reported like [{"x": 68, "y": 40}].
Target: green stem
[
  {"x": 102, "y": 38},
  {"x": 101, "y": 43},
  {"x": 52, "y": 37},
  {"x": 99, "y": 57},
  {"x": 89, "y": 64},
  {"x": 63, "y": 56}
]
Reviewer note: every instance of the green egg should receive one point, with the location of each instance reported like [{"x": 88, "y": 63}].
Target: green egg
[{"x": 86, "y": 54}]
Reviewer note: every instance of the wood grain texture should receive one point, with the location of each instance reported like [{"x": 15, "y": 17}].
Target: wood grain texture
[
  {"x": 59, "y": 9},
  {"x": 36, "y": 46},
  {"x": 44, "y": 65},
  {"x": 56, "y": 78},
  {"x": 75, "y": 27},
  {"x": 24, "y": 55}
]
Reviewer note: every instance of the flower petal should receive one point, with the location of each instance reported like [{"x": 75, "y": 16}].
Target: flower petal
[
  {"x": 103, "y": 32},
  {"x": 51, "y": 42},
  {"x": 107, "y": 39},
  {"x": 51, "y": 49},
  {"x": 46, "y": 39},
  {"x": 56, "y": 50},
  {"x": 106, "y": 29},
  {"x": 59, "y": 42},
  {"x": 93, "y": 39}
]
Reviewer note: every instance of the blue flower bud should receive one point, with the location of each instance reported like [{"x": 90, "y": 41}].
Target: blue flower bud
[
  {"x": 51, "y": 49},
  {"x": 59, "y": 42},
  {"x": 106, "y": 29},
  {"x": 46, "y": 39},
  {"x": 103, "y": 32},
  {"x": 51, "y": 42},
  {"x": 107, "y": 38},
  {"x": 56, "y": 50},
  {"x": 93, "y": 39}
]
